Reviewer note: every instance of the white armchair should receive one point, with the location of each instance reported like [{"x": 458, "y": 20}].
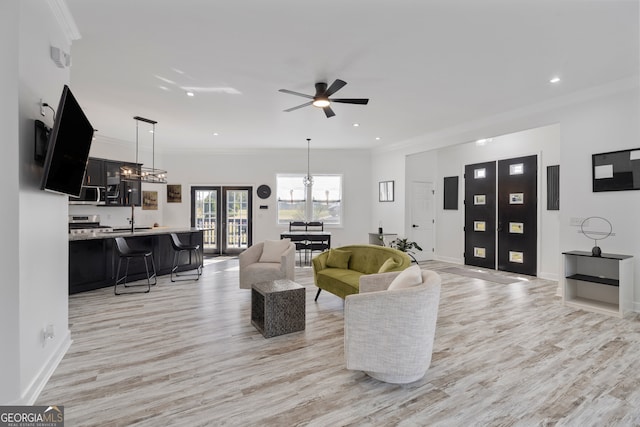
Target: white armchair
[
  {"x": 267, "y": 261},
  {"x": 389, "y": 334}
]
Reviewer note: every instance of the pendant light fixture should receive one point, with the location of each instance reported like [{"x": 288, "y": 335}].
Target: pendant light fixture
[
  {"x": 143, "y": 173},
  {"x": 308, "y": 180}
]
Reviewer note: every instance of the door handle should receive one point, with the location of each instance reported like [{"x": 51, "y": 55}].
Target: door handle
[{"x": 415, "y": 226}]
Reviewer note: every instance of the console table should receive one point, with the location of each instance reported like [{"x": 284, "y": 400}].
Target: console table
[
  {"x": 382, "y": 239},
  {"x": 601, "y": 284}
]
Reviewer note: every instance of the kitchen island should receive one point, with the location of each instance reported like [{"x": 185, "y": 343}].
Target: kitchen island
[{"x": 93, "y": 258}]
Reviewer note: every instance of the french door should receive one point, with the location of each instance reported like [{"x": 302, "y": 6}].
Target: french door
[
  {"x": 501, "y": 215},
  {"x": 517, "y": 215},
  {"x": 225, "y": 215},
  {"x": 480, "y": 215}
]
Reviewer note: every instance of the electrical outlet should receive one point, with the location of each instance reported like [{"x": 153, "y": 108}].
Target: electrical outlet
[{"x": 48, "y": 333}]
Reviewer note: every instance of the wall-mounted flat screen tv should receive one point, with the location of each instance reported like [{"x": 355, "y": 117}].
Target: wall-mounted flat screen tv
[
  {"x": 616, "y": 170},
  {"x": 68, "y": 148}
]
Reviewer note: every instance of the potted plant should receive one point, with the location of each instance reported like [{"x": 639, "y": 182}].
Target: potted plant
[{"x": 406, "y": 246}]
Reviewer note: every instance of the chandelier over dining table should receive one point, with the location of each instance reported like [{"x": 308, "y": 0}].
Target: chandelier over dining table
[{"x": 308, "y": 179}]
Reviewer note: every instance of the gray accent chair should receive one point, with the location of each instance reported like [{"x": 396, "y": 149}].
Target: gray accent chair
[
  {"x": 389, "y": 334},
  {"x": 252, "y": 271}
]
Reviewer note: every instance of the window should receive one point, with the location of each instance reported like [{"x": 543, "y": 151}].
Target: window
[{"x": 321, "y": 202}]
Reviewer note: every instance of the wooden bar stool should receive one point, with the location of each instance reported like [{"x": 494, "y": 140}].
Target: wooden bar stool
[
  {"x": 180, "y": 247},
  {"x": 125, "y": 251}
]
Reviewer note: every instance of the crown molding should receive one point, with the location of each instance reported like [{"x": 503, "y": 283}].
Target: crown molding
[{"x": 65, "y": 19}]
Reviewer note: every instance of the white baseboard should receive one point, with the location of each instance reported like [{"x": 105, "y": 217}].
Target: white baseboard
[
  {"x": 448, "y": 259},
  {"x": 32, "y": 392},
  {"x": 548, "y": 276}
]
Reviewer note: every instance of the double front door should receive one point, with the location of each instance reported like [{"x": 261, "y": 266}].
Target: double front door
[
  {"x": 225, "y": 215},
  {"x": 501, "y": 215}
]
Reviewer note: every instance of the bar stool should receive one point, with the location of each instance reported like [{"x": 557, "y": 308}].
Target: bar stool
[
  {"x": 180, "y": 247},
  {"x": 125, "y": 251}
]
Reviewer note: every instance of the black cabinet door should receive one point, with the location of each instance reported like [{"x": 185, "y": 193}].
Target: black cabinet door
[
  {"x": 120, "y": 191},
  {"x": 95, "y": 175},
  {"x": 90, "y": 264},
  {"x": 131, "y": 189}
]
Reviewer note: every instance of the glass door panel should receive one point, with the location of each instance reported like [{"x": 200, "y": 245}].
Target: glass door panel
[
  {"x": 205, "y": 214},
  {"x": 224, "y": 213},
  {"x": 237, "y": 219}
]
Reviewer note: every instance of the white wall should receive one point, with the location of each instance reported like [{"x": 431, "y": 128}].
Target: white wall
[
  {"x": 256, "y": 167},
  {"x": 35, "y": 285},
  {"x": 608, "y": 125},
  {"x": 450, "y": 161},
  {"x": 598, "y": 120},
  {"x": 9, "y": 293},
  {"x": 245, "y": 168}
]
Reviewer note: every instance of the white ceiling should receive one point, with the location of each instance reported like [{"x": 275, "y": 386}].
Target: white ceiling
[{"x": 425, "y": 65}]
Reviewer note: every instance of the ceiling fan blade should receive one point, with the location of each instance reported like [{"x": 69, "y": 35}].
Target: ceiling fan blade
[
  {"x": 328, "y": 112},
  {"x": 335, "y": 86},
  {"x": 362, "y": 101},
  {"x": 290, "y": 92},
  {"x": 299, "y": 106}
]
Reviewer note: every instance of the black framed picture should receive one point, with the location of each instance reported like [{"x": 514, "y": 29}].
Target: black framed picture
[
  {"x": 385, "y": 191},
  {"x": 616, "y": 170},
  {"x": 451, "y": 192}
]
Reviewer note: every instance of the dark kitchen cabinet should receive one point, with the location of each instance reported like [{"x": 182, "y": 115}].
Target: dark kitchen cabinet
[
  {"x": 90, "y": 266},
  {"x": 93, "y": 262},
  {"x": 116, "y": 189},
  {"x": 120, "y": 190},
  {"x": 95, "y": 175}
]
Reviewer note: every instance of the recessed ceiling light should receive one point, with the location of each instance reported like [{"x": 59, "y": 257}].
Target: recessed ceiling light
[
  {"x": 216, "y": 134},
  {"x": 555, "y": 79},
  {"x": 190, "y": 94},
  {"x": 377, "y": 138},
  {"x": 355, "y": 125}
]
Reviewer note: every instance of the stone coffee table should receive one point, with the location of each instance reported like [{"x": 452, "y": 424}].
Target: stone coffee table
[{"x": 278, "y": 307}]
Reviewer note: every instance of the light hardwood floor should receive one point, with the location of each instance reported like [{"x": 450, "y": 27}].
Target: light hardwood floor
[{"x": 187, "y": 355}]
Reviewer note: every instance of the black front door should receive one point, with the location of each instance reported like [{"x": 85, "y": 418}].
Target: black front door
[
  {"x": 480, "y": 215},
  {"x": 517, "y": 215}
]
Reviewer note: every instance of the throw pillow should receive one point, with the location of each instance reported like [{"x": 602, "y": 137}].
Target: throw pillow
[
  {"x": 338, "y": 258},
  {"x": 273, "y": 249},
  {"x": 412, "y": 276},
  {"x": 389, "y": 265}
]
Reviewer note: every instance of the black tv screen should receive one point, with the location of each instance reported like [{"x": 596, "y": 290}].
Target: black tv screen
[
  {"x": 616, "y": 170},
  {"x": 68, "y": 147}
]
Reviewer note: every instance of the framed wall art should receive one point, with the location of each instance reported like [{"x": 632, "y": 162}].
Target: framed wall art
[
  {"x": 385, "y": 191},
  {"x": 174, "y": 193},
  {"x": 149, "y": 200}
]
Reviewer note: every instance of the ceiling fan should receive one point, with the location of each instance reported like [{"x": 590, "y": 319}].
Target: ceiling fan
[{"x": 321, "y": 98}]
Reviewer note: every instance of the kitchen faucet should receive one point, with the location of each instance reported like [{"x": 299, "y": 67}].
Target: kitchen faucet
[{"x": 132, "y": 211}]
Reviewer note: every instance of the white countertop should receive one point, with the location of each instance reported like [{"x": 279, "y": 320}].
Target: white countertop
[{"x": 136, "y": 233}]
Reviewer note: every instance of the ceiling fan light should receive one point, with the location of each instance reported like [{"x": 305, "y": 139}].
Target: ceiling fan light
[{"x": 321, "y": 102}]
